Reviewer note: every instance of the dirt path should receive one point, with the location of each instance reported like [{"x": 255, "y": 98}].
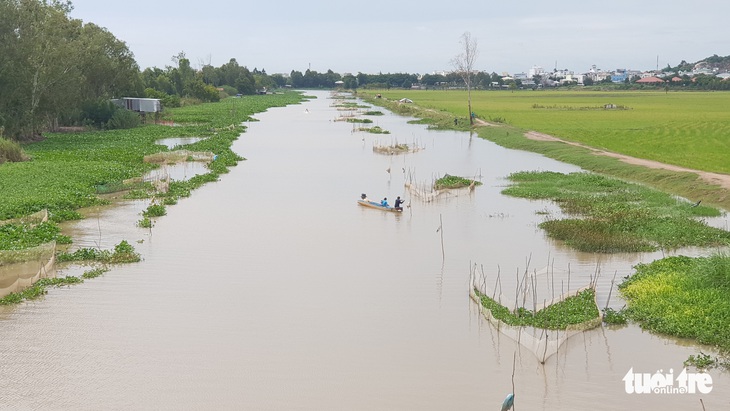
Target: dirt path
[{"x": 723, "y": 180}]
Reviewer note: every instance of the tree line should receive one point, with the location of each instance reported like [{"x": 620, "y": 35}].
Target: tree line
[{"x": 56, "y": 70}]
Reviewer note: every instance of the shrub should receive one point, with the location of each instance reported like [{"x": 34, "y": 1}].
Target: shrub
[
  {"x": 98, "y": 113},
  {"x": 11, "y": 151},
  {"x": 123, "y": 119}
]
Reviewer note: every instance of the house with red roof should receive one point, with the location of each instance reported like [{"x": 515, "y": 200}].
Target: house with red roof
[{"x": 650, "y": 80}]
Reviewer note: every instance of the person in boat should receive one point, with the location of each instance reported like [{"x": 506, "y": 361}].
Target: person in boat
[
  {"x": 398, "y": 204},
  {"x": 364, "y": 197},
  {"x": 384, "y": 202}
]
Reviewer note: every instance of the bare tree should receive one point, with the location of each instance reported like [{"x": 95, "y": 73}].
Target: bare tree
[{"x": 464, "y": 64}]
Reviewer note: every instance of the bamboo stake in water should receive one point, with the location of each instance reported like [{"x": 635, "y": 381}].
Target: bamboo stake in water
[
  {"x": 611, "y": 289},
  {"x": 514, "y": 360},
  {"x": 441, "y": 229}
]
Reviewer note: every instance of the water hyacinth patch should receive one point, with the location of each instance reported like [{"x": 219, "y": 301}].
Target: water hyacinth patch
[
  {"x": 453, "y": 182},
  {"x": 123, "y": 253},
  {"x": 38, "y": 289},
  {"x": 573, "y": 310},
  {"x": 617, "y": 216},
  {"x": 682, "y": 296},
  {"x": 69, "y": 170},
  {"x": 20, "y": 236}
]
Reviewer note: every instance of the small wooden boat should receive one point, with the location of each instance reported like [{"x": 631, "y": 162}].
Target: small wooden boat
[{"x": 373, "y": 204}]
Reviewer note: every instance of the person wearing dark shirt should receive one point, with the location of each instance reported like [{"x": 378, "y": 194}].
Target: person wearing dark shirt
[{"x": 398, "y": 204}]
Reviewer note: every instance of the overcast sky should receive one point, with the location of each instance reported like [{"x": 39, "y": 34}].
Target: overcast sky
[{"x": 392, "y": 36}]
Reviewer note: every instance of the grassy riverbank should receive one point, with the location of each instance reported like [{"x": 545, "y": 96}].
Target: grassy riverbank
[
  {"x": 680, "y": 296},
  {"x": 704, "y": 148},
  {"x": 688, "y": 129},
  {"x": 68, "y": 171}
]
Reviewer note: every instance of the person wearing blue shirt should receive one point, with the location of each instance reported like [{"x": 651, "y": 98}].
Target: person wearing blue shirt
[{"x": 384, "y": 202}]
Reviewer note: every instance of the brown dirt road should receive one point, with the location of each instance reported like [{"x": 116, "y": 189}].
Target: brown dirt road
[{"x": 723, "y": 180}]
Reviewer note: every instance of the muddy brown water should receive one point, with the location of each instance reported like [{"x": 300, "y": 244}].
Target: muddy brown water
[{"x": 272, "y": 289}]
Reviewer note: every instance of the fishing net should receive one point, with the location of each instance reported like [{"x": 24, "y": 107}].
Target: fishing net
[
  {"x": 541, "y": 342},
  {"x": 178, "y": 156},
  {"x": 31, "y": 219},
  {"x": 21, "y": 268},
  {"x": 425, "y": 192}
]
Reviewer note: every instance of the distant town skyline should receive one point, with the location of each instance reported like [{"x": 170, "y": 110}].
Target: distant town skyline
[{"x": 414, "y": 37}]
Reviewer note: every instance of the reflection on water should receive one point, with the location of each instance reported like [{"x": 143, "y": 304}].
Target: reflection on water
[
  {"x": 272, "y": 289},
  {"x": 173, "y": 142},
  {"x": 182, "y": 171}
]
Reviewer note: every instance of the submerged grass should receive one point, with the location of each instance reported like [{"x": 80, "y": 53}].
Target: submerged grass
[
  {"x": 374, "y": 130},
  {"x": 38, "y": 289},
  {"x": 573, "y": 310},
  {"x": 615, "y": 216},
  {"x": 123, "y": 253}
]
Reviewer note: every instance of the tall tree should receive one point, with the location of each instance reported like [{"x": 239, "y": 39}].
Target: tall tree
[
  {"x": 464, "y": 65},
  {"x": 51, "y": 64}
]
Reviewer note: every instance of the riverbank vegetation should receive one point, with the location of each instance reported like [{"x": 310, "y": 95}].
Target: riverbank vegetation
[
  {"x": 615, "y": 216},
  {"x": 68, "y": 171},
  {"x": 58, "y": 72},
  {"x": 681, "y": 128},
  {"x": 691, "y": 124},
  {"x": 40, "y": 287},
  {"x": 683, "y": 297},
  {"x": 123, "y": 253}
]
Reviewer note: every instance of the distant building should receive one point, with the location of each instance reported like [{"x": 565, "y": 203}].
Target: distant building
[
  {"x": 650, "y": 80},
  {"x": 139, "y": 105},
  {"x": 536, "y": 71}
]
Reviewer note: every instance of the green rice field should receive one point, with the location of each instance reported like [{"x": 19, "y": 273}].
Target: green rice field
[{"x": 688, "y": 129}]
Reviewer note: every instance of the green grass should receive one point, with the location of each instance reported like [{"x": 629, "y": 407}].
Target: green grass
[
  {"x": 67, "y": 171},
  {"x": 689, "y": 129},
  {"x": 573, "y": 310},
  {"x": 615, "y": 216},
  {"x": 685, "y": 184},
  {"x": 682, "y": 296}
]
